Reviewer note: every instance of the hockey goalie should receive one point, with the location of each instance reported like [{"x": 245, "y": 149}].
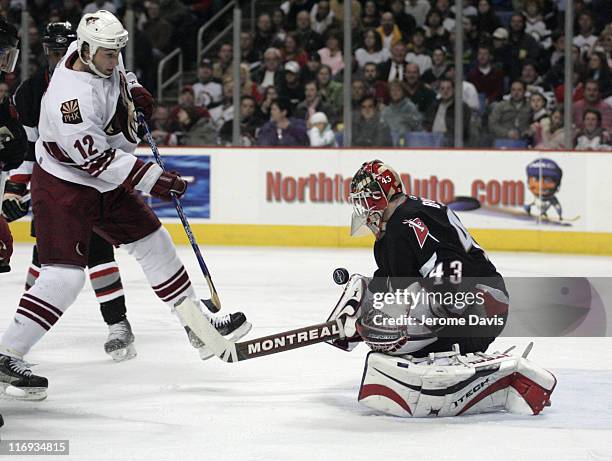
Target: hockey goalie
[{"x": 432, "y": 308}]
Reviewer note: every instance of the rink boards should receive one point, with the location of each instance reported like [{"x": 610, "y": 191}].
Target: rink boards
[{"x": 297, "y": 197}]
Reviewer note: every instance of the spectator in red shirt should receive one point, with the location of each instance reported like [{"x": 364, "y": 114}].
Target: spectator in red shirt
[
  {"x": 486, "y": 78},
  {"x": 592, "y": 100}
]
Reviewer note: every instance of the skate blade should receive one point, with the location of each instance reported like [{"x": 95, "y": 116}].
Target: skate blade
[
  {"x": 123, "y": 354},
  {"x": 23, "y": 393},
  {"x": 240, "y": 332}
]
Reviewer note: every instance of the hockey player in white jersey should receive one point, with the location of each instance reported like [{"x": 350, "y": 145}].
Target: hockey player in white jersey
[{"x": 85, "y": 181}]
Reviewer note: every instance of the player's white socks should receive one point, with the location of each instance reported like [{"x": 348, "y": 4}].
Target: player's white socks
[
  {"x": 41, "y": 307},
  {"x": 162, "y": 267}
]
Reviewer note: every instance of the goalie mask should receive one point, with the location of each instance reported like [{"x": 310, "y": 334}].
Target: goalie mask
[{"x": 372, "y": 188}]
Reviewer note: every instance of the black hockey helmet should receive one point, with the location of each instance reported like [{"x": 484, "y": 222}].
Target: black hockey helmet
[
  {"x": 58, "y": 35},
  {"x": 8, "y": 46}
]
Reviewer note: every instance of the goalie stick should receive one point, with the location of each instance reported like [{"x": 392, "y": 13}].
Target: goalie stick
[{"x": 230, "y": 351}]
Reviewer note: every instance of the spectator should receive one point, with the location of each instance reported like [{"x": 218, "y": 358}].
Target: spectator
[
  {"x": 248, "y": 52},
  {"x": 337, "y": 7},
  {"x": 368, "y": 129},
  {"x": 262, "y": 112},
  {"x": 372, "y": 50},
  {"x": 292, "y": 88},
  {"x": 418, "y": 9},
  {"x": 534, "y": 83},
  {"x": 71, "y": 11},
  {"x": 358, "y": 92},
  {"x": 310, "y": 71},
  {"x": 469, "y": 93},
  {"x": 557, "y": 50},
  {"x": 472, "y": 40},
  {"x": 598, "y": 70},
  {"x": 522, "y": 45},
  {"x": 510, "y": 119},
  {"x": 157, "y": 30},
  {"x": 502, "y": 53},
  {"x": 270, "y": 74},
  {"x": 223, "y": 66},
  {"x": 264, "y": 34},
  {"x": 405, "y": 23},
  {"x": 321, "y": 17},
  {"x": 163, "y": 126},
  {"x": 586, "y": 37},
  {"x": 486, "y": 78},
  {"x": 98, "y": 5},
  {"x": 330, "y": 90},
  {"x": 292, "y": 8},
  {"x": 393, "y": 69},
  {"x": 417, "y": 52},
  {"x": 486, "y": 21},
  {"x": 443, "y": 7},
  {"x": 422, "y": 96},
  {"x": 195, "y": 131},
  {"x": 440, "y": 116},
  {"x": 282, "y": 129},
  {"x": 310, "y": 40},
  {"x": 592, "y": 136},
  {"x": 401, "y": 115},
  {"x": 374, "y": 86},
  {"x": 437, "y": 70},
  {"x": 389, "y": 31},
  {"x": 207, "y": 92},
  {"x": 436, "y": 36},
  {"x": 186, "y": 100},
  {"x": 320, "y": 132},
  {"x": 312, "y": 103},
  {"x": 592, "y": 100},
  {"x": 371, "y": 15},
  {"x": 534, "y": 24},
  {"x": 554, "y": 137},
  {"x": 248, "y": 124},
  {"x": 540, "y": 119},
  {"x": 224, "y": 111},
  {"x": 331, "y": 55},
  {"x": 293, "y": 50},
  {"x": 248, "y": 86},
  {"x": 279, "y": 23}
]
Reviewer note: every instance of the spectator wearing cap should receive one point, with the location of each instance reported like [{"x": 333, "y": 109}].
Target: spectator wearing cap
[
  {"x": 436, "y": 36},
  {"x": 282, "y": 129},
  {"x": 419, "y": 93},
  {"x": 331, "y": 55},
  {"x": 469, "y": 92},
  {"x": 486, "y": 78},
  {"x": 440, "y": 116},
  {"x": 371, "y": 49},
  {"x": 401, "y": 115},
  {"x": 510, "y": 119},
  {"x": 592, "y": 136},
  {"x": 322, "y": 17},
  {"x": 311, "y": 41},
  {"x": 270, "y": 74},
  {"x": 486, "y": 20},
  {"x": 417, "y": 53},
  {"x": 248, "y": 52},
  {"x": 223, "y": 65},
  {"x": 330, "y": 90},
  {"x": 522, "y": 45},
  {"x": 320, "y": 133},
  {"x": 158, "y": 30},
  {"x": 502, "y": 54},
  {"x": 405, "y": 23},
  {"x": 207, "y": 91},
  {"x": 586, "y": 37},
  {"x": 249, "y": 124},
  {"x": 293, "y": 50},
  {"x": 195, "y": 131},
  {"x": 437, "y": 70},
  {"x": 312, "y": 103},
  {"x": 224, "y": 111},
  {"x": 418, "y": 9},
  {"x": 389, "y": 31},
  {"x": 368, "y": 129},
  {"x": 374, "y": 86},
  {"x": 592, "y": 100},
  {"x": 393, "y": 68},
  {"x": 292, "y": 88}
]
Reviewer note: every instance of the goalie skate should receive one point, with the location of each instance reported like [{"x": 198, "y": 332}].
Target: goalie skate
[
  {"x": 18, "y": 382},
  {"x": 120, "y": 342}
]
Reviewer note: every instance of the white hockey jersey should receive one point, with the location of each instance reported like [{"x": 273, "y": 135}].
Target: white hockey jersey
[{"x": 88, "y": 127}]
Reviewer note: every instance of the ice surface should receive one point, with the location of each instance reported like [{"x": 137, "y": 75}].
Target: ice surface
[{"x": 300, "y": 405}]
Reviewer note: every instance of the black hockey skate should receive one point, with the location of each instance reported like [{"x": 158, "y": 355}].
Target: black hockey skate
[
  {"x": 18, "y": 382},
  {"x": 120, "y": 342}
]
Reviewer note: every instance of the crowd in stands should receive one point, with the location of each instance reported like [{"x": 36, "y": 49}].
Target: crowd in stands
[{"x": 402, "y": 91}]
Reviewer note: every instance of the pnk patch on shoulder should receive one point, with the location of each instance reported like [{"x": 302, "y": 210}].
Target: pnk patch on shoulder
[{"x": 71, "y": 113}]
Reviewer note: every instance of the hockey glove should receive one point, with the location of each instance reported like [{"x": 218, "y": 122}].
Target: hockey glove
[
  {"x": 167, "y": 184},
  {"x": 13, "y": 145},
  {"x": 13, "y": 205},
  {"x": 6, "y": 246},
  {"x": 143, "y": 100}
]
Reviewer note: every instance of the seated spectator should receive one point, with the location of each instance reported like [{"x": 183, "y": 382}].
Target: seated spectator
[
  {"x": 372, "y": 50},
  {"x": 586, "y": 37},
  {"x": 371, "y": 15},
  {"x": 293, "y": 50},
  {"x": 311, "y": 41},
  {"x": 187, "y": 101},
  {"x": 248, "y": 52},
  {"x": 312, "y": 103},
  {"x": 207, "y": 92},
  {"x": 440, "y": 116},
  {"x": 421, "y": 95},
  {"x": 374, "y": 86},
  {"x": 358, "y": 92},
  {"x": 557, "y": 50},
  {"x": 418, "y": 9},
  {"x": 389, "y": 31},
  {"x": 262, "y": 112},
  {"x": 522, "y": 45},
  {"x": 554, "y": 136},
  {"x": 195, "y": 131},
  {"x": 436, "y": 36},
  {"x": 510, "y": 119},
  {"x": 282, "y": 129},
  {"x": 486, "y": 78},
  {"x": 322, "y": 17},
  {"x": 249, "y": 87},
  {"x": 337, "y": 7},
  {"x": 443, "y": 7},
  {"x": 320, "y": 132},
  {"x": 279, "y": 22},
  {"x": 438, "y": 68},
  {"x": 224, "y": 111},
  {"x": 417, "y": 53},
  {"x": 270, "y": 74},
  {"x": 405, "y": 23},
  {"x": 368, "y": 129},
  {"x": 248, "y": 124},
  {"x": 502, "y": 53},
  {"x": 330, "y": 91},
  {"x": 599, "y": 70},
  {"x": 157, "y": 29},
  {"x": 473, "y": 39},
  {"x": 311, "y": 69},
  {"x": 592, "y": 136},
  {"x": 401, "y": 115},
  {"x": 163, "y": 125},
  {"x": 470, "y": 95},
  {"x": 534, "y": 83},
  {"x": 592, "y": 100},
  {"x": 292, "y": 88},
  {"x": 223, "y": 66},
  {"x": 265, "y": 36},
  {"x": 393, "y": 69},
  {"x": 534, "y": 24},
  {"x": 540, "y": 119},
  {"x": 331, "y": 55},
  {"x": 486, "y": 21}
]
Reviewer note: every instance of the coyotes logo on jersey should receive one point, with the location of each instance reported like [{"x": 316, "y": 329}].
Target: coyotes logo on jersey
[
  {"x": 124, "y": 120},
  {"x": 71, "y": 113},
  {"x": 421, "y": 231}
]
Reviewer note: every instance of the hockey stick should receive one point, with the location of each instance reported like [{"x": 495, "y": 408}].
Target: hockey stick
[
  {"x": 215, "y": 304},
  {"x": 230, "y": 351}
]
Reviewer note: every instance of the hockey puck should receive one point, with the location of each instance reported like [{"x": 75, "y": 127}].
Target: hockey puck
[{"x": 341, "y": 275}]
